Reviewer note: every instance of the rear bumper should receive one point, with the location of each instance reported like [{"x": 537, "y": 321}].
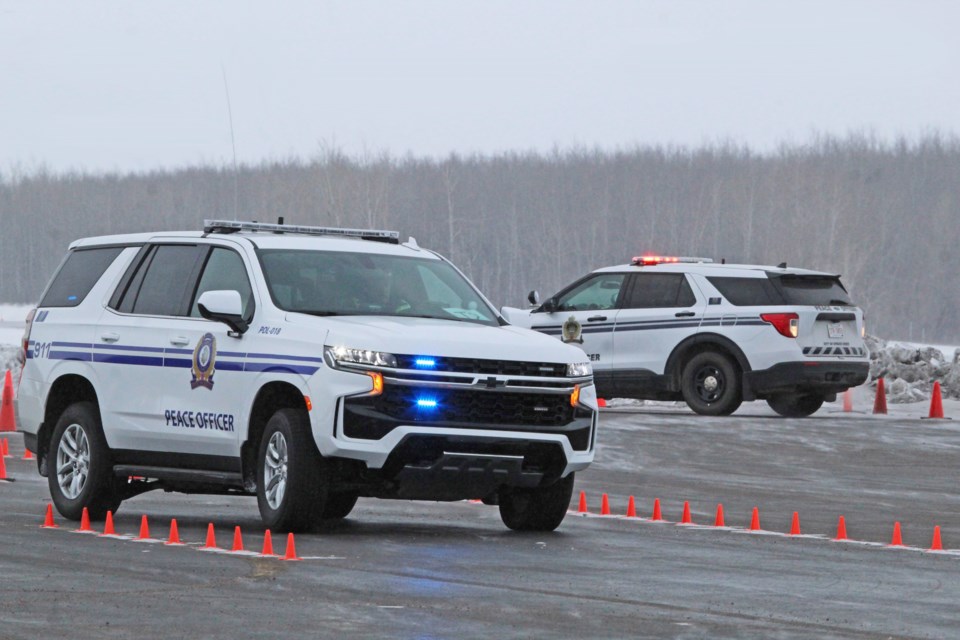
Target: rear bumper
[{"x": 805, "y": 377}]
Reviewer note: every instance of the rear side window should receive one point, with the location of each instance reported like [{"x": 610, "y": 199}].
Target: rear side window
[
  {"x": 813, "y": 290},
  {"x": 79, "y": 272},
  {"x": 747, "y": 292},
  {"x": 660, "y": 290},
  {"x": 164, "y": 281}
]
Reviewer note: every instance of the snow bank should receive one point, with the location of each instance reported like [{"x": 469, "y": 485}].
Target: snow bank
[{"x": 909, "y": 370}]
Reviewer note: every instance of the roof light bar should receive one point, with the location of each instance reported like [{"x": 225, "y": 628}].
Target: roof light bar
[
  {"x": 233, "y": 226},
  {"x": 646, "y": 261}
]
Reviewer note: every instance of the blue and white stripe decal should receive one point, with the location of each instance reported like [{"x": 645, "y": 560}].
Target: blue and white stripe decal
[
  {"x": 647, "y": 325},
  {"x": 178, "y": 358}
]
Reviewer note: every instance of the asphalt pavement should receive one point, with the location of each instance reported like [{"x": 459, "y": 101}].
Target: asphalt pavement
[{"x": 452, "y": 570}]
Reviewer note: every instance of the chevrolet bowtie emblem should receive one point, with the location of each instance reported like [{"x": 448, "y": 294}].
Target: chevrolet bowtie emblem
[{"x": 493, "y": 383}]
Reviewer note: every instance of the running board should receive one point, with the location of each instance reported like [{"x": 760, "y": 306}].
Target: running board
[{"x": 224, "y": 478}]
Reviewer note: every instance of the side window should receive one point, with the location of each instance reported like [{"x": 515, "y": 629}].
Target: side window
[
  {"x": 599, "y": 292},
  {"x": 163, "y": 282},
  {"x": 79, "y": 272},
  {"x": 660, "y": 290},
  {"x": 224, "y": 271},
  {"x": 747, "y": 292}
]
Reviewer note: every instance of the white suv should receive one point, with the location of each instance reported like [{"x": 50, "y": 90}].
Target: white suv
[
  {"x": 669, "y": 328},
  {"x": 306, "y": 365}
]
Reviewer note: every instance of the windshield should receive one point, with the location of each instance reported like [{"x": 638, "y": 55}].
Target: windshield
[{"x": 345, "y": 283}]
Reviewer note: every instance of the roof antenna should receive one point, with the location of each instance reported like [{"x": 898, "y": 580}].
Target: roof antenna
[
  {"x": 233, "y": 143},
  {"x": 782, "y": 265}
]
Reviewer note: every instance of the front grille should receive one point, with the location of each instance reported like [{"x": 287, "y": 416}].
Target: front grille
[
  {"x": 485, "y": 367},
  {"x": 462, "y": 405},
  {"x": 373, "y": 417}
]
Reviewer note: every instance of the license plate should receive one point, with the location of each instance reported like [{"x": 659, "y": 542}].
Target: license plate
[{"x": 835, "y": 330}]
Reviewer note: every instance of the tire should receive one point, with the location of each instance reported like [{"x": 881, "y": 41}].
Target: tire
[
  {"x": 291, "y": 474},
  {"x": 339, "y": 506},
  {"x": 79, "y": 465},
  {"x": 710, "y": 384},
  {"x": 795, "y": 406},
  {"x": 540, "y": 509}
]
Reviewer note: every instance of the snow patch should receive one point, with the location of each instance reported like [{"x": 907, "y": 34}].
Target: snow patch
[{"x": 909, "y": 369}]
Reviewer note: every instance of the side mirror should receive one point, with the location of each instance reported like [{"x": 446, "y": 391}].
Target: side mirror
[
  {"x": 534, "y": 297},
  {"x": 225, "y": 307}
]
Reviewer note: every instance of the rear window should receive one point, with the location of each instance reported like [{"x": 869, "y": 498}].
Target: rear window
[
  {"x": 813, "y": 290},
  {"x": 747, "y": 292},
  {"x": 79, "y": 272}
]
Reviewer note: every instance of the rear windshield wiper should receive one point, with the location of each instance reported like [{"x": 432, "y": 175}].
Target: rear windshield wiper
[{"x": 845, "y": 303}]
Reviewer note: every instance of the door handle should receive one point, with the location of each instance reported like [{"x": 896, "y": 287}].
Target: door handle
[
  {"x": 596, "y": 318},
  {"x": 110, "y": 336},
  {"x": 179, "y": 341},
  {"x": 685, "y": 314}
]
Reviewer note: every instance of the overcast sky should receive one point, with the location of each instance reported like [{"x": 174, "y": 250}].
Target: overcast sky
[{"x": 133, "y": 86}]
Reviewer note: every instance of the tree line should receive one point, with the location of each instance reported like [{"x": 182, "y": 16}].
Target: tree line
[{"x": 885, "y": 215}]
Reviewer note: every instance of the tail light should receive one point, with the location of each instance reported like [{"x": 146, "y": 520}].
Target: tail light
[
  {"x": 786, "y": 324},
  {"x": 26, "y": 337}
]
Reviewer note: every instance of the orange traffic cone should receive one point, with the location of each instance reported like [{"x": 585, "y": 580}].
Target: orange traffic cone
[
  {"x": 604, "y": 505},
  {"x": 144, "y": 529},
  {"x": 237, "y": 540},
  {"x": 3, "y": 469},
  {"x": 631, "y": 508},
  {"x": 8, "y": 421},
  {"x": 27, "y": 455},
  {"x": 841, "y": 529},
  {"x": 211, "y": 542},
  {"x": 5, "y": 445},
  {"x": 848, "y": 401},
  {"x": 755, "y": 520},
  {"x": 291, "y": 553},
  {"x": 685, "y": 519},
  {"x": 936, "y": 402},
  {"x": 795, "y": 525},
  {"x": 583, "y": 503},
  {"x": 84, "y": 522},
  {"x": 880, "y": 402},
  {"x": 936, "y": 545},
  {"x": 657, "y": 516},
  {"x": 897, "y": 540},
  {"x": 174, "y": 533},
  {"x": 48, "y": 522},
  {"x": 601, "y": 403},
  {"x": 108, "y": 525},
  {"x": 718, "y": 522},
  {"x": 267, "y": 544}
]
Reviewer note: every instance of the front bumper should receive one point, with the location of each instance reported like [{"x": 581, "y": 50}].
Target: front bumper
[{"x": 820, "y": 377}]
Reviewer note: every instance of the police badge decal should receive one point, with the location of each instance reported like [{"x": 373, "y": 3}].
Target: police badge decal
[
  {"x": 571, "y": 331},
  {"x": 204, "y": 356}
]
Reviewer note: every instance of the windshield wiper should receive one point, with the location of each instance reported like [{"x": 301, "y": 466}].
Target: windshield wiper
[{"x": 322, "y": 313}]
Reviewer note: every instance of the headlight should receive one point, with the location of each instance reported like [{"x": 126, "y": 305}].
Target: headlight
[
  {"x": 343, "y": 355},
  {"x": 579, "y": 369}
]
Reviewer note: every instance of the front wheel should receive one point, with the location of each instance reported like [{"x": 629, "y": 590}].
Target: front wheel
[
  {"x": 540, "y": 509},
  {"x": 339, "y": 505},
  {"x": 795, "y": 406},
  {"x": 710, "y": 384},
  {"x": 79, "y": 468},
  {"x": 291, "y": 487}
]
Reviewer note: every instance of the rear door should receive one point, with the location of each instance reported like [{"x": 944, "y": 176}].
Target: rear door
[{"x": 659, "y": 311}]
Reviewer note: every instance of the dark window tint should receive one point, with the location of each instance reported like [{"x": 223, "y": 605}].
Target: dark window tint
[
  {"x": 224, "y": 271},
  {"x": 813, "y": 290},
  {"x": 747, "y": 292},
  {"x": 599, "y": 292},
  {"x": 80, "y": 271},
  {"x": 660, "y": 290},
  {"x": 169, "y": 277}
]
